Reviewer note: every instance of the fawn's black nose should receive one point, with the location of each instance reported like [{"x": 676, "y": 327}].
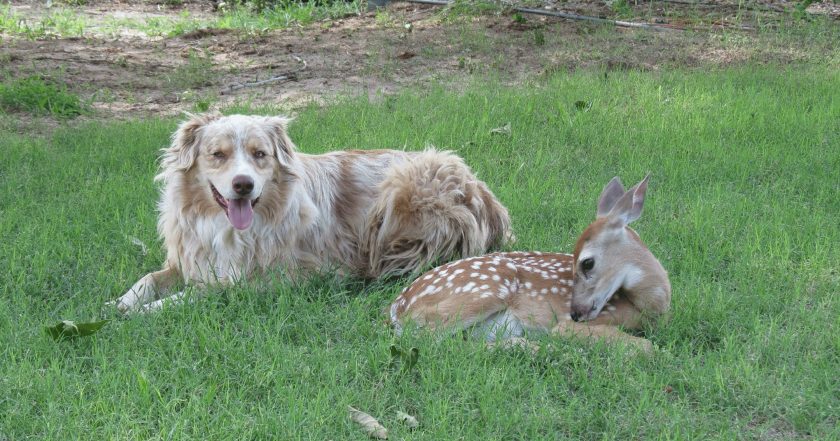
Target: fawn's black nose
[
  {"x": 575, "y": 316},
  {"x": 243, "y": 185}
]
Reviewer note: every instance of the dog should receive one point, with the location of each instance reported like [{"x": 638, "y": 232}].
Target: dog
[{"x": 238, "y": 199}]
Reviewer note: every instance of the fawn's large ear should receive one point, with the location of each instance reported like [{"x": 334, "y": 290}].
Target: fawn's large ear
[
  {"x": 629, "y": 206},
  {"x": 609, "y": 196},
  {"x": 183, "y": 151},
  {"x": 283, "y": 146}
]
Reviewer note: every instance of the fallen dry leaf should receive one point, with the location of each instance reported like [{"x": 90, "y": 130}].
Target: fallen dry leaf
[
  {"x": 406, "y": 55},
  {"x": 368, "y": 423},
  {"x": 139, "y": 243},
  {"x": 408, "y": 420},
  {"x": 503, "y": 130}
]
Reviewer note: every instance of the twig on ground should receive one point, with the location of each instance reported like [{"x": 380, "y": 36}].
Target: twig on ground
[
  {"x": 282, "y": 78},
  {"x": 620, "y": 23}
]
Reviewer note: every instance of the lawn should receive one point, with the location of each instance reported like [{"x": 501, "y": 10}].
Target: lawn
[{"x": 743, "y": 211}]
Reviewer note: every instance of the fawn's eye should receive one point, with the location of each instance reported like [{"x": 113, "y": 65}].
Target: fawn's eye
[
  {"x": 587, "y": 264},
  {"x": 259, "y": 154}
]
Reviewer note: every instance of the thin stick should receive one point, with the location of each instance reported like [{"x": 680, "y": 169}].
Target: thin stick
[
  {"x": 621, "y": 23},
  {"x": 284, "y": 77}
]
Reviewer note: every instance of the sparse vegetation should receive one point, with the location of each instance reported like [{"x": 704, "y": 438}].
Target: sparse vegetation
[
  {"x": 38, "y": 96},
  {"x": 58, "y": 22},
  {"x": 539, "y": 37},
  {"x": 621, "y": 8},
  {"x": 66, "y": 22},
  {"x": 197, "y": 71}
]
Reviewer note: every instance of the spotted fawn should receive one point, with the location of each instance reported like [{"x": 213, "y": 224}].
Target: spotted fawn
[{"x": 611, "y": 280}]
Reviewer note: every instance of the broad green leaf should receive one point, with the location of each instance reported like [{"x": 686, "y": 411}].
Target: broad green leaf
[{"x": 67, "y": 329}]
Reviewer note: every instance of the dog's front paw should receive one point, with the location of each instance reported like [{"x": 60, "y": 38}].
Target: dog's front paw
[
  {"x": 141, "y": 293},
  {"x": 110, "y": 305},
  {"x": 120, "y": 306},
  {"x": 123, "y": 307}
]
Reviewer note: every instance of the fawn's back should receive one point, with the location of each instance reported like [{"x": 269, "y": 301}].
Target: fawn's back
[
  {"x": 502, "y": 294},
  {"x": 611, "y": 280}
]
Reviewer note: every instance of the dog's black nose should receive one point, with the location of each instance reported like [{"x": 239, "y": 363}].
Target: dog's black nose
[
  {"x": 243, "y": 185},
  {"x": 575, "y": 316}
]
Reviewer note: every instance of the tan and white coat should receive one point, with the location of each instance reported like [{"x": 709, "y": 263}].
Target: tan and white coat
[{"x": 367, "y": 213}]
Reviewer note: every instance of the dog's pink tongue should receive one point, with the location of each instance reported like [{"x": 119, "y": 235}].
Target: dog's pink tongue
[{"x": 240, "y": 213}]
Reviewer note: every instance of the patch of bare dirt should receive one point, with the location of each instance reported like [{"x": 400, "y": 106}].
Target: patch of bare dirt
[{"x": 130, "y": 74}]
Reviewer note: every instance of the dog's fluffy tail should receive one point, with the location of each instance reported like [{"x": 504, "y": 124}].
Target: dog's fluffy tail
[{"x": 432, "y": 208}]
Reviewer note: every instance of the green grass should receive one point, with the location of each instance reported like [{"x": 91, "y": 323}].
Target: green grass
[
  {"x": 285, "y": 15},
  {"x": 197, "y": 72},
  {"x": 68, "y": 22},
  {"x": 37, "y": 96},
  {"x": 58, "y": 23},
  {"x": 743, "y": 211}
]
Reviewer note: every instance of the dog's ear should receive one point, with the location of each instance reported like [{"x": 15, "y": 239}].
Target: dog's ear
[
  {"x": 283, "y": 146},
  {"x": 183, "y": 151}
]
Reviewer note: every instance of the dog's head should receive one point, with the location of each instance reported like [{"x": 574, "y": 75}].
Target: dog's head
[{"x": 232, "y": 158}]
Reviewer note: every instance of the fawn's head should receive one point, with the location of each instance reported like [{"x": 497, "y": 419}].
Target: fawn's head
[{"x": 609, "y": 256}]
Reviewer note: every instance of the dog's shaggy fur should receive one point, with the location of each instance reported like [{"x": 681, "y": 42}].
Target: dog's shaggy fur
[{"x": 238, "y": 199}]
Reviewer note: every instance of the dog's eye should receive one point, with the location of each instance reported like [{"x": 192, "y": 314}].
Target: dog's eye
[
  {"x": 218, "y": 155},
  {"x": 587, "y": 264},
  {"x": 259, "y": 154}
]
